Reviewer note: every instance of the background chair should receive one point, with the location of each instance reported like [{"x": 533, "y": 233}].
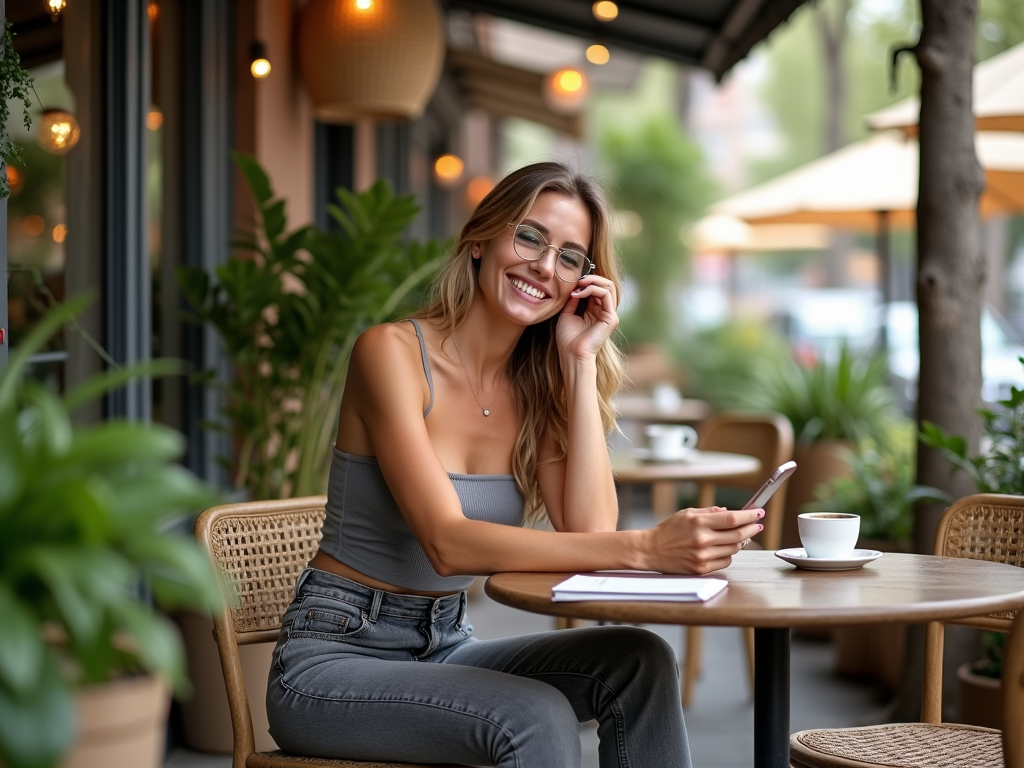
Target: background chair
[
  {"x": 981, "y": 527},
  {"x": 769, "y": 438},
  {"x": 261, "y": 547}
]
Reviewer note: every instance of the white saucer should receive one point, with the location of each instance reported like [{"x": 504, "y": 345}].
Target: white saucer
[
  {"x": 799, "y": 558},
  {"x": 644, "y": 454}
]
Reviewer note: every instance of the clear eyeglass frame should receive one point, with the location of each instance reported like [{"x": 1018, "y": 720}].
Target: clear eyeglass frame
[{"x": 564, "y": 256}]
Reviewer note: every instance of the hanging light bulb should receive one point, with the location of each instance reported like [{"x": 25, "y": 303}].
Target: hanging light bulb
[
  {"x": 605, "y": 10},
  {"x": 55, "y": 7},
  {"x": 565, "y": 90},
  {"x": 260, "y": 66},
  {"x": 58, "y": 131},
  {"x": 598, "y": 54},
  {"x": 448, "y": 170}
]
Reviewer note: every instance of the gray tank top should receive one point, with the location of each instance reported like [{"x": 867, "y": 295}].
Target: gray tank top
[{"x": 365, "y": 529}]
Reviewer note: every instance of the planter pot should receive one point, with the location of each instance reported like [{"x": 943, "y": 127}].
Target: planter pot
[
  {"x": 981, "y": 698},
  {"x": 206, "y": 719},
  {"x": 123, "y": 722}
]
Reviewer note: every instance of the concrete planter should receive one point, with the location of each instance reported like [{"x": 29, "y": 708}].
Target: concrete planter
[
  {"x": 981, "y": 698},
  {"x": 123, "y": 722}
]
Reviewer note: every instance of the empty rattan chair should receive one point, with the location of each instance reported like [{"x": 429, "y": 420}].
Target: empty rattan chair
[
  {"x": 769, "y": 437},
  {"x": 981, "y": 527},
  {"x": 261, "y": 547}
]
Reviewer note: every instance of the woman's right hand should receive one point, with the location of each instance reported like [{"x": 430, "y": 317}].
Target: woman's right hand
[{"x": 700, "y": 540}]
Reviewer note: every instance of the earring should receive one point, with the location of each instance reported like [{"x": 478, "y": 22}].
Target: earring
[{"x": 476, "y": 253}]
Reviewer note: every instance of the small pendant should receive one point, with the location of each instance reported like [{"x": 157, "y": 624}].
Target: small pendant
[{"x": 487, "y": 411}]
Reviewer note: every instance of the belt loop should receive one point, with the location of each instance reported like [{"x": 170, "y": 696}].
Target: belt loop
[
  {"x": 375, "y": 607},
  {"x": 307, "y": 571}
]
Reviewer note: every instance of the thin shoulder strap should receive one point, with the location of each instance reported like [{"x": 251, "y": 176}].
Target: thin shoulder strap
[{"x": 426, "y": 365}]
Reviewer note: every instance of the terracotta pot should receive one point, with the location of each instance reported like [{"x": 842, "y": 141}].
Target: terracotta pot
[
  {"x": 123, "y": 722},
  {"x": 817, "y": 462},
  {"x": 206, "y": 719},
  {"x": 981, "y": 698}
]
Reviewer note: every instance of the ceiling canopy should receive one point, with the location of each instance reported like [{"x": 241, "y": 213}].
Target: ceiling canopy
[{"x": 714, "y": 34}]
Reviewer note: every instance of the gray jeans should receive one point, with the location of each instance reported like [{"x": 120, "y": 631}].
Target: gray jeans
[{"x": 369, "y": 675}]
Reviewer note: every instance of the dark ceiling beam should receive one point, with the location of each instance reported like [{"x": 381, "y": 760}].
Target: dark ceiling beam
[{"x": 771, "y": 15}]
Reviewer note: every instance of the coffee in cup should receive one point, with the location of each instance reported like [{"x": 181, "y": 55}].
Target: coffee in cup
[
  {"x": 829, "y": 535},
  {"x": 671, "y": 442}
]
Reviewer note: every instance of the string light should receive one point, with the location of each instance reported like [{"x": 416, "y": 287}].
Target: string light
[
  {"x": 58, "y": 131},
  {"x": 448, "y": 169},
  {"x": 154, "y": 119},
  {"x": 565, "y": 90},
  {"x": 260, "y": 66},
  {"x": 364, "y": 5},
  {"x": 598, "y": 54},
  {"x": 605, "y": 10},
  {"x": 55, "y": 8}
]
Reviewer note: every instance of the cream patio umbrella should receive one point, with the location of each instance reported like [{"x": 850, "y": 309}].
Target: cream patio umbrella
[
  {"x": 871, "y": 185},
  {"x": 731, "y": 236},
  {"x": 998, "y": 98}
]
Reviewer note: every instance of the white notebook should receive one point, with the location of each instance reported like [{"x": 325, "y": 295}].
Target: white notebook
[{"x": 653, "y": 587}]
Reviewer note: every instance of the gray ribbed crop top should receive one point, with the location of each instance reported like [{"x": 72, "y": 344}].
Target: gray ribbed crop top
[{"x": 365, "y": 529}]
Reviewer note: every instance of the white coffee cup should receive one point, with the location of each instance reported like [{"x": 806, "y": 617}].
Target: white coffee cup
[
  {"x": 829, "y": 535},
  {"x": 666, "y": 398},
  {"x": 671, "y": 442}
]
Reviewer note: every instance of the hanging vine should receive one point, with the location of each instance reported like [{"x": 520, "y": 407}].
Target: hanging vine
[{"x": 15, "y": 83}]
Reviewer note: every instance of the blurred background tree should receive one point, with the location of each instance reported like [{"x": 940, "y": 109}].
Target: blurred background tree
[{"x": 658, "y": 186}]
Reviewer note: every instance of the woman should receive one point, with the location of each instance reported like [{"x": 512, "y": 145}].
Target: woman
[{"x": 495, "y": 400}]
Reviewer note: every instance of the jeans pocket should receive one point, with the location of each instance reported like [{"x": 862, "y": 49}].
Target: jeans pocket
[{"x": 328, "y": 619}]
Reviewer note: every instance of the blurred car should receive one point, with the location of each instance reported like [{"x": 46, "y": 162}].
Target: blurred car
[{"x": 1000, "y": 349}]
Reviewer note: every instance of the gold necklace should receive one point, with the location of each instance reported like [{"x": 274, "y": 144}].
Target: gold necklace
[{"x": 485, "y": 408}]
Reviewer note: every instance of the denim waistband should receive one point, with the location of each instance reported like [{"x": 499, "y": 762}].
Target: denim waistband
[{"x": 377, "y": 601}]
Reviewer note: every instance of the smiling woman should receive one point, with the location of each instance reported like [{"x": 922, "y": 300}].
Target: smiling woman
[{"x": 491, "y": 405}]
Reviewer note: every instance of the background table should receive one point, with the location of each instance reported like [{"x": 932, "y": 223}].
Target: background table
[
  {"x": 772, "y": 596},
  {"x": 646, "y": 410},
  {"x": 704, "y": 468}
]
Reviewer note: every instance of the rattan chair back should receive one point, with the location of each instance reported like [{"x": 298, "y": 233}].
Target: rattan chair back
[
  {"x": 260, "y": 548},
  {"x": 766, "y": 436}
]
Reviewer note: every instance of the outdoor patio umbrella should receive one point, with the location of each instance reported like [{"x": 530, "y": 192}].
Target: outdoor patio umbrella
[
  {"x": 871, "y": 185},
  {"x": 731, "y": 236},
  {"x": 998, "y": 98}
]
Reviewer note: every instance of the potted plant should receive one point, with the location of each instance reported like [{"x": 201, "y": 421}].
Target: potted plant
[
  {"x": 997, "y": 468},
  {"x": 288, "y": 306},
  {"x": 86, "y": 567},
  {"x": 881, "y": 490},
  {"x": 833, "y": 407}
]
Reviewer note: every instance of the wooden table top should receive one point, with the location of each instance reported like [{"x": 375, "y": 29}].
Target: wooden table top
[
  {"x": 767, "y": 592},
  {"x": 645, "y": 409},
  {"x": 701, "y": 465}
]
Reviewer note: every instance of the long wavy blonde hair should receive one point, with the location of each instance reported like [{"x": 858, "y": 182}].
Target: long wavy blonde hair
[{"x": 534, "y": 370}]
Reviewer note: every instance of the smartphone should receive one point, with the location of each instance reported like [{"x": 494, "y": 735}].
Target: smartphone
[
  {"x": 768, "y": 487},
  {"x": 581, "y": 308}
]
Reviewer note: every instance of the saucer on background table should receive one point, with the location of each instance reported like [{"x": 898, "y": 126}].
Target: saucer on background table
[
  {"x": 644, "y": 454},
  {"x": 799, "y": 558}
]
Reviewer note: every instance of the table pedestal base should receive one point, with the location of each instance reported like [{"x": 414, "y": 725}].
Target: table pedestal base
[{"x": 771, "y": 698}]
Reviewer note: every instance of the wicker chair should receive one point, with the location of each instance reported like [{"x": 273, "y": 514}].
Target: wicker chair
[
  {"x": 981, "y": 527},
  {"x": 769, "y": 437},
  {"x": 261, "y": 547}
]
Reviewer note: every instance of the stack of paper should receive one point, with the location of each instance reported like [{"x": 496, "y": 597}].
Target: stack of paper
[{"x": 668, "y": 588}]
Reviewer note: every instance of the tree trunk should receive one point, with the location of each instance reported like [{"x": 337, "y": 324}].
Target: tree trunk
[
  {"x": 950, "y": 278},
  {"x": 833, "y": 37},
  {"x": 950, "y": 262}
]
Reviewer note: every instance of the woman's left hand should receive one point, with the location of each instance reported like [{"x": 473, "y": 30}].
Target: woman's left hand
[{"x": 581, "y": 336}]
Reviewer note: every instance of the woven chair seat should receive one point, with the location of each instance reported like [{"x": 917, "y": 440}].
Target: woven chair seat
[
  {"x": 900, "y": 745},
  {"x": 279, "y": 759}
]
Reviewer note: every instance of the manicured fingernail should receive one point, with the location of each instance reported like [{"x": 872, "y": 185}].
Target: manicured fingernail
[
  {"x": 577, "y": 292},
  {"x": 760, "y": 527},
  {"x": 760, "y": 514}
]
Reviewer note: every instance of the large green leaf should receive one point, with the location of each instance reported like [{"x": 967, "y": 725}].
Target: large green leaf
[
  {"x": 21, "y": 659},
  {"x": 37, "y": 728}
]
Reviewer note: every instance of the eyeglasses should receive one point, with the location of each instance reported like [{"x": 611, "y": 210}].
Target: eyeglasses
[{"x": 529, "y": 244}]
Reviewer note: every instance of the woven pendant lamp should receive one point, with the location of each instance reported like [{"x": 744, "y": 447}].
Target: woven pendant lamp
[{"x": 370, "y": 58}]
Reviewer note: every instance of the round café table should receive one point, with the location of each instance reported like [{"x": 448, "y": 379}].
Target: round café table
[
  {"x": 701, "y": 467},
  {"x": 772, "y": 596}
]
